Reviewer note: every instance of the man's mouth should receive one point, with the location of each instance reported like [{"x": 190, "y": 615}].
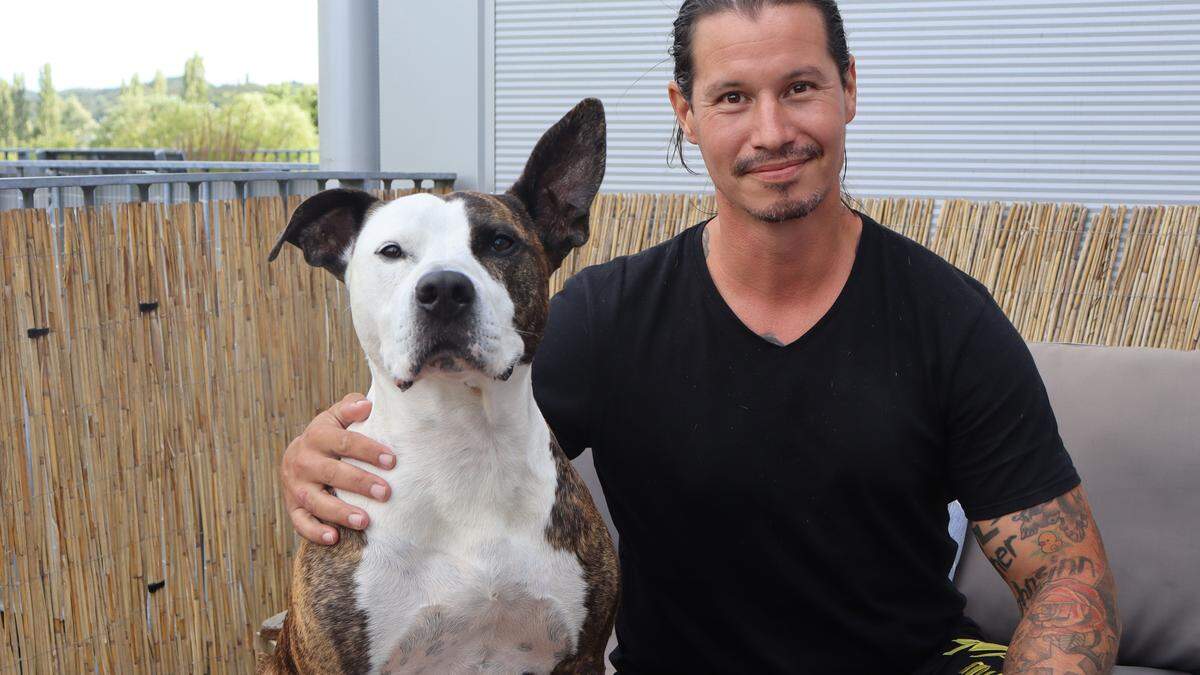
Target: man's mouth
[{"x": 779, "y": 171}]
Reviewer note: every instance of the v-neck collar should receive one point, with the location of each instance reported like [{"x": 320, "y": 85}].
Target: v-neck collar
[{"x": 697, "y": 250}]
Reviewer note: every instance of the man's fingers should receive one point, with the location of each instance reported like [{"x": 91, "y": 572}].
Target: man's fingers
[
  {"x": 330, "y": 509},
  {"x": 340, "y": 475},
  {"x": 311, "y": 529},
  {"x": 350, "y": 444},
  {"x": 352, "y": 408}
]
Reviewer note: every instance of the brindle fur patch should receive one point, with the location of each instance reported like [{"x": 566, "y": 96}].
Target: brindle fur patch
[
  {"x": 325, "y": 631},
  {"x": 525, "y": 272},
  {"x": 576, "y": 526}
]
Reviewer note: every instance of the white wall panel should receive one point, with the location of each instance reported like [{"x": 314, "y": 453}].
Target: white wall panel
[
  {"x": 552, "y": 53},
  {"x": 1096, "y": 101}
]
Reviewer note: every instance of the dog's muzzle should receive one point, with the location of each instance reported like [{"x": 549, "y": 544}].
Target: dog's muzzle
[
  {"x": 445, "y": 301},
  {"x": 445, "y": 296}
]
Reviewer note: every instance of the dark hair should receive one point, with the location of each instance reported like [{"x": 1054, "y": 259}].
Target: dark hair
[{"x": 694, "y": 10}]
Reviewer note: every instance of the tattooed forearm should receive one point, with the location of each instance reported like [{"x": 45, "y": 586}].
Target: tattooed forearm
[
  {"x": 1071, "y": 626},
  {"x": 1068, "y": 513},
  {"x": 1052, "y": 559}
]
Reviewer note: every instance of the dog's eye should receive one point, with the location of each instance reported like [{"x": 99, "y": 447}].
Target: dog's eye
[
  {"x": 502, "y": 243},
  {"x": 391, "y": 251}
]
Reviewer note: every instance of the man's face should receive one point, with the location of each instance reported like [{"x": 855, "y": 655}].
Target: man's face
[{"x": 768, "y": 110}]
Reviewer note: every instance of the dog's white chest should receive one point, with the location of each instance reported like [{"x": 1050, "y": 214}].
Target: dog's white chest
[
  {"x": 498, "y": 604},
  {"x": 457, "y": 575}
]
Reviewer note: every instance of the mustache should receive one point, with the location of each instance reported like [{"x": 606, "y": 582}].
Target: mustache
[{"x": 803, "y": 153}]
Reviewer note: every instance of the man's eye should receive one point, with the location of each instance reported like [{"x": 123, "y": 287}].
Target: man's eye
[
  {"x": 391, "y": 251},
  {"x": 502, "y": 243},
  {"x": 800, "y": 87},
  {"x": 732, "y": 97}
]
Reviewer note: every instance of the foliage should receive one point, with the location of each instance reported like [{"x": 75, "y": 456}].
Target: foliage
[
  {"x": 204, "y": 131},
  {"x": 78, "y": 123},
  {"x": 304, "y": 95},
  {"x": 227, "y": 122},
  {"x": 56, "y": 122},
  {"x": 22, "y": 127},
  {"x": 159, "y": 86},
  {"x": 7, "y": 137},
  {"x": 195, "y": 89},
  {"x": 50, "y": 109}
]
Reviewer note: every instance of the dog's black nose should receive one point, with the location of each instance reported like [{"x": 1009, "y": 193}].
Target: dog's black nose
[{"x": 445, "y": 294}]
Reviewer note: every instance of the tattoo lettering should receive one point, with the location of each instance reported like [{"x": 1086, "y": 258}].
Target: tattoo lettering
[
  {"x": 1002, "y": 556},
  {"x": 1066, "y": 567},
  {"x": 1067, "y": 512}
]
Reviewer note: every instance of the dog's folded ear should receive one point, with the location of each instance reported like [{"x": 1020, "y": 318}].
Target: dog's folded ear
[
  {"x": 325, "y": 225},
  {"x": 562, "y": 177}
]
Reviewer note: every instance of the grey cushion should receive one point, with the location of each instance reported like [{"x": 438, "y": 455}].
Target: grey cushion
[{"x": 1131, "y": 421}]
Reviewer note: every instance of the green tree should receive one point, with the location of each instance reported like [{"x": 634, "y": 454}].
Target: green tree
[
  {"x": 7, "y": 137},
  {"x": 135, "y": 87},
  {"x": 246, "y": 122},
  {"x": 21, "y": 126},
  {"x": 159, "y": 87},
  {"x": 303, "y": 95},
  {"x": 78, "y": 124},
  {"x": 195, "y": 89},
  {"x": 50, "y": 108}
]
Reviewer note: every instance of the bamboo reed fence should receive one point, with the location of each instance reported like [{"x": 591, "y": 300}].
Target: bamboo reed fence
[{"x": 154, "y": 367}]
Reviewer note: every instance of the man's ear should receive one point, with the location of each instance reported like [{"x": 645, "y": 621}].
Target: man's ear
[
  {"x": 683, "y": 110},
  {"x": 562, "y": 177},
  {"x": 325, "y": 225}
]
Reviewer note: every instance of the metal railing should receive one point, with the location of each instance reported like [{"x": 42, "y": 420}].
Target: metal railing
[
  {"x": 50, "y": 167},
  {"x": 284, "y": 154},
  {"x": 57, "y": 192},
  {"x": 91, "y": 153}
]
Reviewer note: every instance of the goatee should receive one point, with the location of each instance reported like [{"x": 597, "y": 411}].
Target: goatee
[{"x": 789, "y": 209}]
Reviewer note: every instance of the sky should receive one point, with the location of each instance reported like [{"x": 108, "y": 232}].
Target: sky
[{"x": 97, "y": 44}]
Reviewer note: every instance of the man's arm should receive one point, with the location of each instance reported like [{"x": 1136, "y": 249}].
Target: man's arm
[{"x": 1053, "y": 560}]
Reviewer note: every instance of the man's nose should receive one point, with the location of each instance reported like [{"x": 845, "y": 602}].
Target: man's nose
[
  {"x": 772, "y": 129},
  {"x": 445, "y": 294}
]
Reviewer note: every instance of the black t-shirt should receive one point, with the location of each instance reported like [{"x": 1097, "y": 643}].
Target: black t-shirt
[{"x": 783, "y": 508}]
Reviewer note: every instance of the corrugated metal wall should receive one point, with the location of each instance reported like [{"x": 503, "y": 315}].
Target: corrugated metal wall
[
  {"x": 1095, "y": 101},
  {"x": 552, "y": 53}
]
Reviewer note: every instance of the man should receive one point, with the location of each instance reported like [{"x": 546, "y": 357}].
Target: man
[{"x": 782, "y": 400}]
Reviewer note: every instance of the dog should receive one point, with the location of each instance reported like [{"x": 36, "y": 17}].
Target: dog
[{"x": 490, "y": 556}]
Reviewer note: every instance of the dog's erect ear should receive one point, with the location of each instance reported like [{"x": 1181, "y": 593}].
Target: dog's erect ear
[
  {"x": 562, "y": 177},
  {"x": 325, "y": 225}
]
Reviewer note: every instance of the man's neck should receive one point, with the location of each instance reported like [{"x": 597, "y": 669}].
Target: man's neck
[{"x": 780, "y": 262}]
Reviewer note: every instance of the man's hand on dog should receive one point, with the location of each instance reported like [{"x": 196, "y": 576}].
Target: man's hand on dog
[{"x": 312, "y": 463}]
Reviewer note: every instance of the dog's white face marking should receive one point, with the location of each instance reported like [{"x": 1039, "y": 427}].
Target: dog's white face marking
[{"x": 399, "y": 337}]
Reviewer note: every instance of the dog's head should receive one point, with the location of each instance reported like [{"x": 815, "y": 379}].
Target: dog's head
[{"x": 457, "y": 285}]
